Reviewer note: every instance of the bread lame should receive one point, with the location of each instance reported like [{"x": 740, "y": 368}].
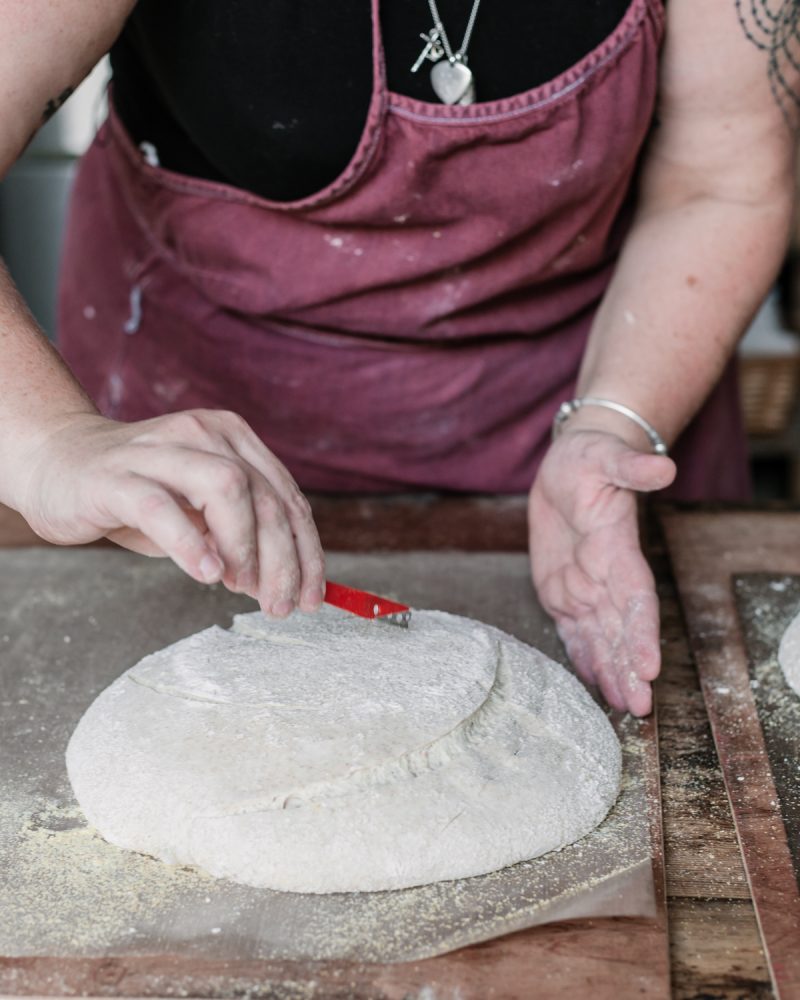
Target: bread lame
[{"x": 366, "y": 605}]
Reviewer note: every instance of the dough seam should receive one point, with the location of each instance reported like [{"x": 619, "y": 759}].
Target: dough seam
[{"x": 429, "y": 757}]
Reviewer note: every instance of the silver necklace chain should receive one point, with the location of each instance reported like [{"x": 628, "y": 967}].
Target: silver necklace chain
[
  {"x": 461, "y": 54},
  {"x": 451, "y": 78}
]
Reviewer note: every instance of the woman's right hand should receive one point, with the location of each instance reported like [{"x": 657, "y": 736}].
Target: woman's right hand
[{"x": 198, "y": 486}]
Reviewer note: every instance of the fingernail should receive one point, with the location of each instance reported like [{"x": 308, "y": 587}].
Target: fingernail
[
  {"x": 312, "y": 598},
  {"x": 282, "y": 608},
  {"x": 210, "y": 568}
]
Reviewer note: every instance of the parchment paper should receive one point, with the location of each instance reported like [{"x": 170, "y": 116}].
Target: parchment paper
[{"x": 72, "y": 620}]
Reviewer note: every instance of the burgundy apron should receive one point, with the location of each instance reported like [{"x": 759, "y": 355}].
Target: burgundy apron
[{"x": 413, "y": 325}]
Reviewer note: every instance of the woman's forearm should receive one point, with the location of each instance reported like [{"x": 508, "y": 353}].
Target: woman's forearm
[
  {"x": 714, "y": 209},
  {"x": 689, "y": 280},
  {"x": 37, "y": 391}
]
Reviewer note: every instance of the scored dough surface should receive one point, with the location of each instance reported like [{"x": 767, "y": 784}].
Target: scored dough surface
[{"x": 325, "y": 753}]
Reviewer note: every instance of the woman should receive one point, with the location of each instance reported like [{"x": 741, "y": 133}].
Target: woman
[{"x": 298, "y": 215}]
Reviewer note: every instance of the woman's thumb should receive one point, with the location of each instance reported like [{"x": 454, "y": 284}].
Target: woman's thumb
[{"x": 634, "y": 470}]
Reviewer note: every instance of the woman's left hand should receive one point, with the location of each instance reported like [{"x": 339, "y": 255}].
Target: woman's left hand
[{"x": 587, "y": 564}]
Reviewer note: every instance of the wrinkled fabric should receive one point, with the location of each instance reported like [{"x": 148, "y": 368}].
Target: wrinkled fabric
[{"x": 413, "y": 325}]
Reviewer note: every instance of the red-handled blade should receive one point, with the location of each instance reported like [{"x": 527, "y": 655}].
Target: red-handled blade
[{"x": 366, "y": 605}]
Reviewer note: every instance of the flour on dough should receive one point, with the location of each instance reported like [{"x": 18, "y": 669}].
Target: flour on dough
[
  {"x": 789, "y": 655},
  {"x": 325, "y": 753}
]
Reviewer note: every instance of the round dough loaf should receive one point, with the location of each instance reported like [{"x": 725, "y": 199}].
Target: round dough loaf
[
  {"x": 325, "y": 753},
  {"x": 789, "y": 654}
]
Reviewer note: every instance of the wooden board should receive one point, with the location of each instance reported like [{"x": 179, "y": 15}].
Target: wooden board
[
  {"x": 707, "y": 550},
  {"x": 715, "y": 944},
  {"x": 560, "y": 959},
  {"x": 767, "y": 603}
]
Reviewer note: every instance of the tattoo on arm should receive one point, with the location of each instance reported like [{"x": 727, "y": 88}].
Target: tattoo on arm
[
  {"x": 774, "y": 27},
  {"x": 55, "y": 103}
]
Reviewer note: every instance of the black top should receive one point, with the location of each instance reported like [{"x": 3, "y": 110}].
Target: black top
[{"x": 271, "y": 95}]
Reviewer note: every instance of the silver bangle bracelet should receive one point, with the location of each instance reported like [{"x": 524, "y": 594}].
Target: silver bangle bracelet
[{"x": 571, "y": 406}]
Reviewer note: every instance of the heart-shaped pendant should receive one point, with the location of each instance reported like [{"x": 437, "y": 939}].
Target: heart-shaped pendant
[{"x": 452, "y": 82}]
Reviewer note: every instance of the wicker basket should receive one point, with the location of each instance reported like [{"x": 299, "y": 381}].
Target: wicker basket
[{"x": 768, "y": 387}]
